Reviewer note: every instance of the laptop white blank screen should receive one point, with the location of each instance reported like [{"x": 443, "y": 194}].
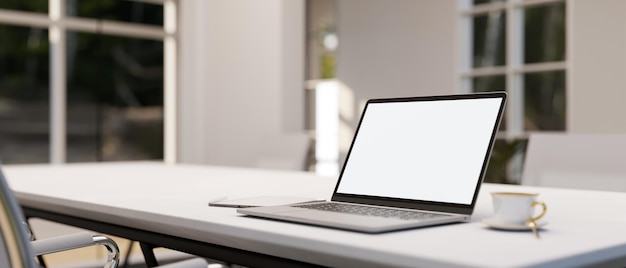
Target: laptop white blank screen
[{"x": 421, "y": 150}]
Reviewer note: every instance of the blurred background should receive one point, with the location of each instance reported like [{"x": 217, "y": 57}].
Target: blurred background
[{"x": 280, "y": 83}]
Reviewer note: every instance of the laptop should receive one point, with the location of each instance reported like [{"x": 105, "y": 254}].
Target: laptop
[{"x": 413, "y": 162}]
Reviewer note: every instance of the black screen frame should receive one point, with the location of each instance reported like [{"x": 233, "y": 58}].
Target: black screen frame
[{"x": 421, "y": 204}]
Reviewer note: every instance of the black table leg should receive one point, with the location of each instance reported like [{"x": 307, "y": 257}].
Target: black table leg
[{"x": 148, "y": 254}]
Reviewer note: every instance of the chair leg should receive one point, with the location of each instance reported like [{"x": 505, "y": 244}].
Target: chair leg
[
  {"x": 148, "y": 254},
  {"x": 40, "y": 260}
]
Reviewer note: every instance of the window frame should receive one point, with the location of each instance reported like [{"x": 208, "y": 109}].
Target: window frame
[
  {"x": 58, "y": 24},
  {"x": 514, "y": 69}
]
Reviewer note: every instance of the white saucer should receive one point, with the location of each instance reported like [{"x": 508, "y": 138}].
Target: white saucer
[{"x": 491, "y": 222}]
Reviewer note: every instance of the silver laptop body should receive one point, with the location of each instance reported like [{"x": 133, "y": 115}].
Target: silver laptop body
[{"x": 413, "y": 162}]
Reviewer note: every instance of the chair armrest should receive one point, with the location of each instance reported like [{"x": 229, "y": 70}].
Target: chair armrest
[
  {"x": 62, "y": 243},
  {"x": 78, "y": 240}
]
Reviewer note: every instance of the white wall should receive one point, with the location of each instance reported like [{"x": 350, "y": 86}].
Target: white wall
[
  {"x": 242, "y": 66},
  {"x": 397, "y": 48},
  {"x": 596, "y": 100},
  {"x": 407, "y": 47},
  {"x": 393, "y": 48},
  {"x": 241, "y": 73}
]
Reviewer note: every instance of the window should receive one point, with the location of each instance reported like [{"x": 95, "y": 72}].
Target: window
[
  {"x": 87, "y": 80},
  {"x": 24, "y": 98},
  {"x": 114, "y": 98},
  {"x": 518, "y": 46}
]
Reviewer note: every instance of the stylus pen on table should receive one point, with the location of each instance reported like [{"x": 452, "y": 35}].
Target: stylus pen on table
[{"x": 217, "y": 199}]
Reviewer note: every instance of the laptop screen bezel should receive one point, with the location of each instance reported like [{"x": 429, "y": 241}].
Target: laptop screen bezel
[{"x": 421, "y": 204}]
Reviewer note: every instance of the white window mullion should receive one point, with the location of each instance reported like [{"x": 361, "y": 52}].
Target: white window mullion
[
  {"x": 569, "y": 53},
  {"x": 58, "y": 120},
  {"x": 22, "y": 18},
  {"x": 482, "y": 8},
  {"x": 115, "y": 28},
  {"x": 84, "y": 25},
  {"x": 514, "y": 80},
  {"x": 170, "y": 96},
  {"x": 465, "y": 49},
  {"x": 541, "y": 67},
  {"x": 530, "y": 3}
]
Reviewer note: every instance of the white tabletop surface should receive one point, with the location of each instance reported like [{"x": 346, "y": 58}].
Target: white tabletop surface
[{"x": 584, "y": 227}]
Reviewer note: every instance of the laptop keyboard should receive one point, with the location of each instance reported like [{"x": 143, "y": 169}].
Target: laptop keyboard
[{"x": 371, "y": 211}]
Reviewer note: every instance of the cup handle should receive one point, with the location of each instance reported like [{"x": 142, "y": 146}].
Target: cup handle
[{"x": 543, "y": 212}]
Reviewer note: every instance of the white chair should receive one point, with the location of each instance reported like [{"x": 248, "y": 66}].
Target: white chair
[
  {"x": 577, "y": 161},
  {"x": 288, "y": 151},
  {"x": 18, "y": 251}
]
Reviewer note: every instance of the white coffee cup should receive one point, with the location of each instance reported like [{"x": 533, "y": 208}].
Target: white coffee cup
[{"x": 516, "y": 208}]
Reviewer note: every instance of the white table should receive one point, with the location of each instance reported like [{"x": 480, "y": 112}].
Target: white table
[{"x": 166, "y": 205}]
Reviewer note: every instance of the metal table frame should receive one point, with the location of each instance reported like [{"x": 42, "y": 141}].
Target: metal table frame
[{"x": 150, "y": 240}]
